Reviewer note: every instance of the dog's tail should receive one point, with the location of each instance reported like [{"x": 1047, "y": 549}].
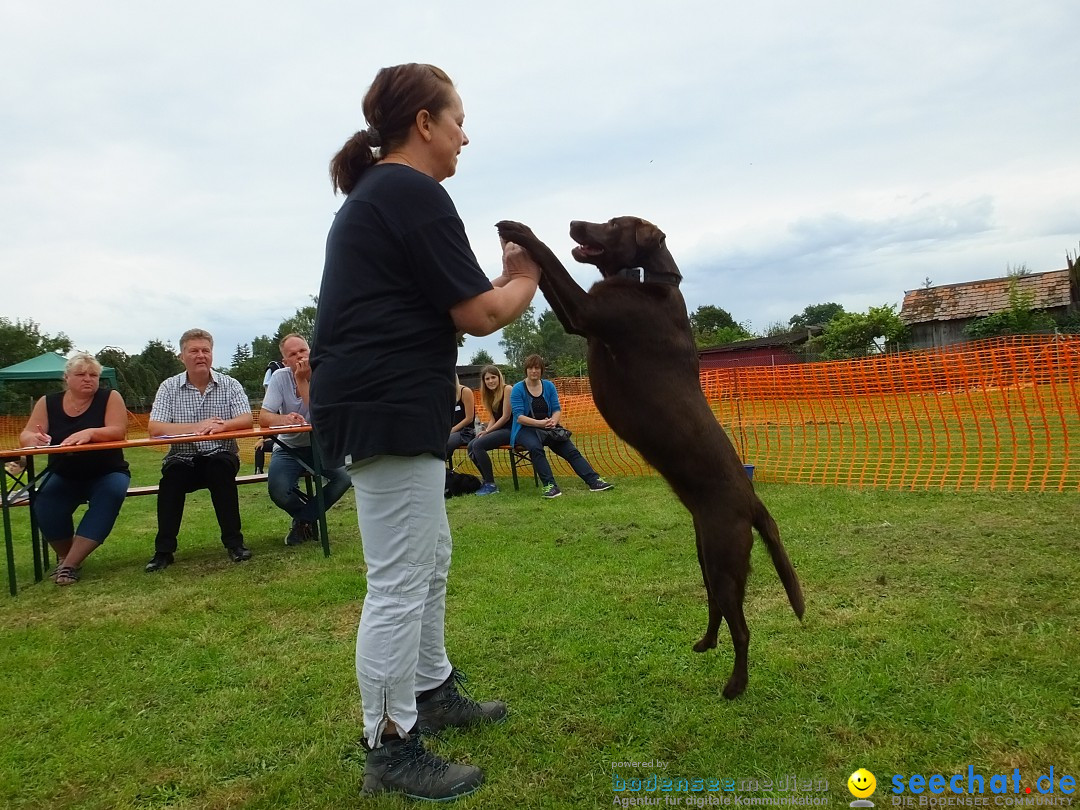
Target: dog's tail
[{"x": 769, "y": 532}]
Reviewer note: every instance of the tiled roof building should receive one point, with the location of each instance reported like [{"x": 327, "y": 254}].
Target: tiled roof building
[{"x": 936, "y": 316}]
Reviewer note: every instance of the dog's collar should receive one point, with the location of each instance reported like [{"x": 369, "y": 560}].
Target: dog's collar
[{"x": 636, "y": 273}]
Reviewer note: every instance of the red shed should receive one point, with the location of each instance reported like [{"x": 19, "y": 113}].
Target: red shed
[{"x": 777, "y": 350}]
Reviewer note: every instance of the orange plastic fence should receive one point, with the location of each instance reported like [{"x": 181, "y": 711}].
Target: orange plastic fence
[{"x": 998, "y": 414}]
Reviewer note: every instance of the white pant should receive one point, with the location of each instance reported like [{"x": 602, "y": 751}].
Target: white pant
[{"x": 400, "y": 647}]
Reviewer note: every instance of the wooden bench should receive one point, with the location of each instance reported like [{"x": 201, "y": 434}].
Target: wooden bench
[
  {"x": 134, "y": 492},
  {"x": 257, "y": 478}
]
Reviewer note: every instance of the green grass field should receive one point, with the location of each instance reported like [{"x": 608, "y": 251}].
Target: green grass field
[{"x": 941, "y": 631}]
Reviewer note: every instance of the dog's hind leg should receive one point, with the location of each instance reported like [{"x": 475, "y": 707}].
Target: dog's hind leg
[
  {"x": 708, "y": 641},
  {"x": 730, "y": 598},
  {"x": 726, "y": 554}
]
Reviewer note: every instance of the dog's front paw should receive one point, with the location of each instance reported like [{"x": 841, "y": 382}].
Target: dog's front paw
[{"x": 510, "y": 231}]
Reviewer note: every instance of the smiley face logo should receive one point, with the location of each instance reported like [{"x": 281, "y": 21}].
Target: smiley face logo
[{"x": 862, "y": 784}]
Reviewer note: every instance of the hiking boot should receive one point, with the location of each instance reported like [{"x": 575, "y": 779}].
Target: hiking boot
[
  {"x": 445, "y": 706},
  {"x": 405, "y": 766},
  {"x": 487, "y": 489},
  {"x": 299, "y": 533},
  {"x": 599, "y": 485},
  {"x": 551, "y": 491},
  {"x": 238, "y": 553},
  {"x": 159, "y": 562}
]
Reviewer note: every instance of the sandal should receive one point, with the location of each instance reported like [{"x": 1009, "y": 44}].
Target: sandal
[{"x": 66, "y": 575}]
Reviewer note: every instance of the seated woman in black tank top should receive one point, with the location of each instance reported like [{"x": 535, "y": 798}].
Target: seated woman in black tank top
[
  {"x": 81, "y": 414},
  {"x": 463, "y": 416}
]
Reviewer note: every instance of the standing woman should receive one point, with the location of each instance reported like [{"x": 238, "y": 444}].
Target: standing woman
[
  {"x": 400, "y": 282},
  {"x": 462, "y": 419},
  {"x": 81, "y": 414},
  {"x": 495, "y": 394}
]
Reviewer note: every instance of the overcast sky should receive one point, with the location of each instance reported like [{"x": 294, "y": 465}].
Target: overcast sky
[{"x": 165, "y": 166}]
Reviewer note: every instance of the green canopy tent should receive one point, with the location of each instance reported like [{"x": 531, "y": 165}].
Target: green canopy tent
[{"x": 48, "y": 366}]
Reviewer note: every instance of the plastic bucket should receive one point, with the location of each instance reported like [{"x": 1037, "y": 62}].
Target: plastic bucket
[{"x": 749, "y": 471}]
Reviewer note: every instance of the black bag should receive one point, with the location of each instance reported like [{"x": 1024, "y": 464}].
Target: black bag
[
  {"x": 556, "y": 434},
  {"x": 460, "y": 484}
]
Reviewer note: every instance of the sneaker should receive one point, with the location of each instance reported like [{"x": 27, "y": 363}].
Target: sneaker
[
  {"x": 299, "y": 533},
  {"x": 159, "y": 562},
  {"x": 487, "y": 489},
  {"x": 238, "y": 553},
  {"x": 551, "y": 491},
  {"x": 599, "y": 485},
  {"x": 445, "y": 706},
  {"x": 405, "y": 766}
]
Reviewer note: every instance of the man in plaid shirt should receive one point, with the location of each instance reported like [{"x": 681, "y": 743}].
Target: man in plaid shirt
[{"x": 204, "y": 402}]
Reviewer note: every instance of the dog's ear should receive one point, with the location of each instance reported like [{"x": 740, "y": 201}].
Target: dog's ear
[{"x": 648, "y": 236}]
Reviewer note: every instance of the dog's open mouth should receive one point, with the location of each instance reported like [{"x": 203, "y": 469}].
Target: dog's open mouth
[{"x": 587, "y": 253}]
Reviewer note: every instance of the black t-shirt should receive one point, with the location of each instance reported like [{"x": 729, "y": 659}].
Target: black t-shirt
[
  {"x": 539, "y": 407},
  {"x": 88, "y": 464},
  {"x": 384, "y": 348}
]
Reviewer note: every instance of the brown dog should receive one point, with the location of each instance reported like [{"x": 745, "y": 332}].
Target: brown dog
[{"x": 643, "y": 366}]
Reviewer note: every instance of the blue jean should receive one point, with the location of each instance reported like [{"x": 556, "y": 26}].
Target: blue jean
[
  {"x": 459, "y": 438},
  {"x": 478, "y": 452},
  {"x": 285, "y": 472},
  {"x": 59, "y": 497},
  {"x": 532, "y": 441}
]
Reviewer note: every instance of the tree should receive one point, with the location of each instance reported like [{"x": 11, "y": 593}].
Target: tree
[
  {"x": 160, "y": 360},
  {"x": 481, "y": 358},
  {"x": 138, "y": 376},
  {"x": 854, "y": 334},
  {"x": 815, "y": 315},
  {"x": 250, "y": 374},
  {"x": 251, "y": 370},
  {"x": 564, "y": 353},
  {"x": 713, "y": 326},
  {"x": 301, "y": 322},
  {"x": 24, "y": 340},
  {"x": 521, "y": 338},
  {"x": 241, "y": 354},
  {"x": 777, "y": 328},
  {"x": 129, "y": 380},
  {"x": 709, "y": 318},
  {"x": 721, "y": 337}
]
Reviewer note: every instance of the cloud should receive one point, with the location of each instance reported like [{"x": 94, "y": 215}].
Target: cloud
[{"x": 166, "y": 166}]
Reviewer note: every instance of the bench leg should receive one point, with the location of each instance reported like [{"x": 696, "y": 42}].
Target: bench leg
[
  {"x": 324, "y": 535},
  {"x": 521, "y": 457},
  {"x": 8, "y": 547},
  {"x": 37, "y": 542}
]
